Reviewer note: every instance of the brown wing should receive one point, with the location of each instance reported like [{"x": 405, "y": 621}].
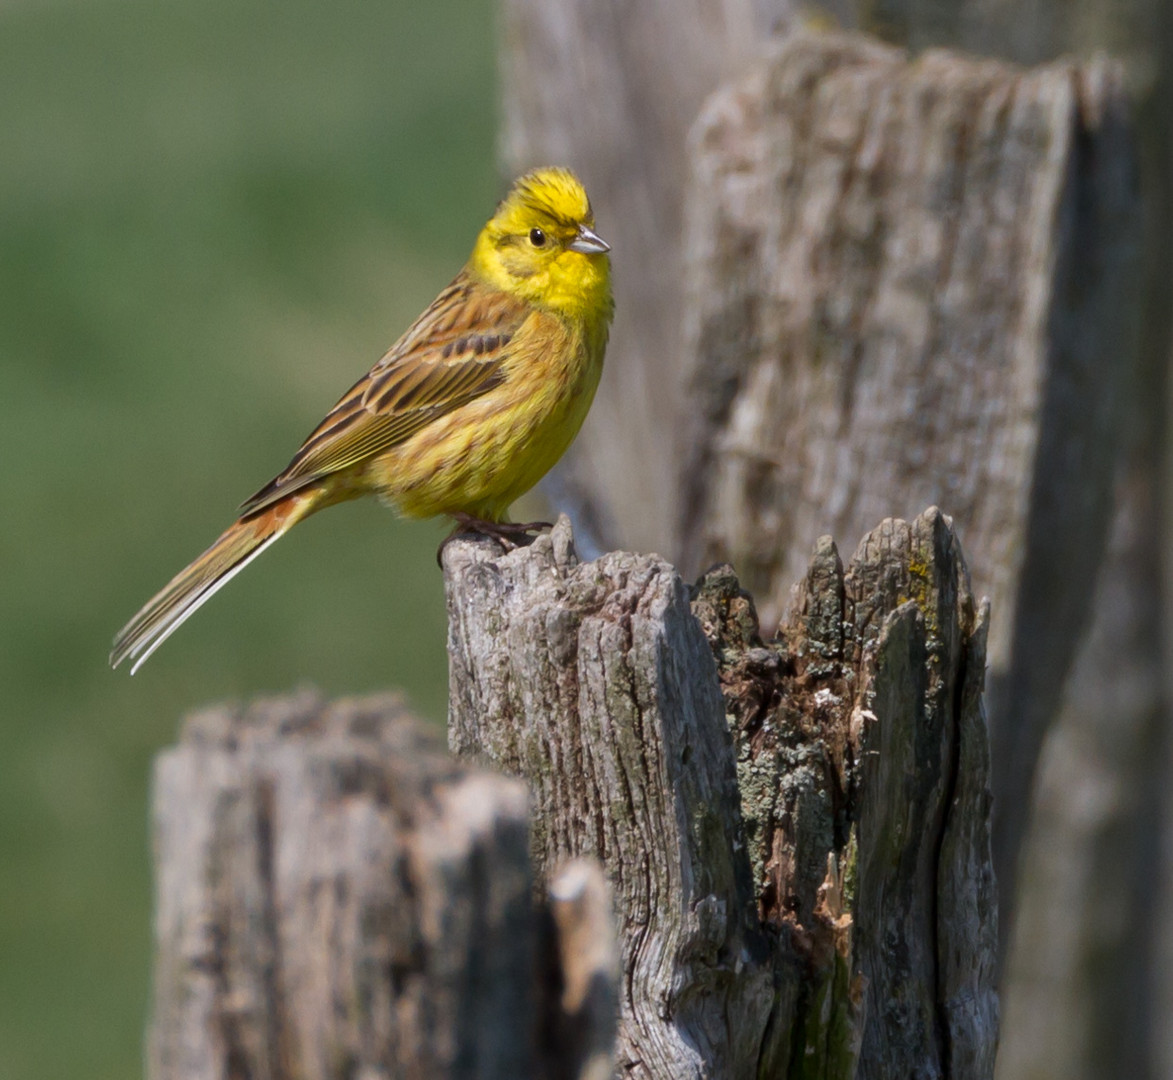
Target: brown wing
[{"x": 454, "y": 352}]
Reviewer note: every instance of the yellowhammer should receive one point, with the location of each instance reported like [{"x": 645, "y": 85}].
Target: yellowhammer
[{"x": 466, "y": 412}]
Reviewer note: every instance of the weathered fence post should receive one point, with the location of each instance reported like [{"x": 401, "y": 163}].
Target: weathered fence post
[
  {"x": 796, "y": 831},
  {"x": 902, "y": 280},
  {"x": 914, "y": 281},
  {"x": 336, "y": 897}
]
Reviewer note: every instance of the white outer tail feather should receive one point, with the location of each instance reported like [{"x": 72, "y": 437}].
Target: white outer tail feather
[{"x": 174, "y": 621}]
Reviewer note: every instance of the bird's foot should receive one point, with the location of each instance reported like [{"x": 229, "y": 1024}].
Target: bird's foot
[{"x": 509, "y": 534}]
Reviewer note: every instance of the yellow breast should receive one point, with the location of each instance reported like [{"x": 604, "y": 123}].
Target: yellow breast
[{"x": 479, "y": 458}]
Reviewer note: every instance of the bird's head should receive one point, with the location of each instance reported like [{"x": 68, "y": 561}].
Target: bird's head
[{"x": 541, "y": 245}]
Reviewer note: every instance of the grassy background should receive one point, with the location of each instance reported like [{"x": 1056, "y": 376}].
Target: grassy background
[{"x": 213, "y": 217}]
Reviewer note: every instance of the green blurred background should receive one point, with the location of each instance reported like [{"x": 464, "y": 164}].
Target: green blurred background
[{"x": 213, "y": 217}]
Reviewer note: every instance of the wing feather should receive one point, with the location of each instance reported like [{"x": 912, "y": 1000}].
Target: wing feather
[{"x": 452, "y": 354}]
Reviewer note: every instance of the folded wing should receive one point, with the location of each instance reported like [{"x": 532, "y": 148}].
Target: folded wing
[{"x": 438, "y": 365}]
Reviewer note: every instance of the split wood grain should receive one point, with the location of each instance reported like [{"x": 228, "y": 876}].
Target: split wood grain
[{"x": 796, "y": 831}]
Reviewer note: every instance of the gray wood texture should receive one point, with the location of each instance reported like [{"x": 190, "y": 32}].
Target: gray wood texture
[
  {"x": 796, "y": 831},
  {"x": 912, "y": 282},
  {"x": 905, "y": 281},
  {"x": 1026, "y": 31},
  {"x": 1087, "y": 993},
  {"x": 594, "y": 683},
  {"x": 793, "y": 835},
  {"x": 1081, "y": 998},
  {"x": 337, "y": 898}
]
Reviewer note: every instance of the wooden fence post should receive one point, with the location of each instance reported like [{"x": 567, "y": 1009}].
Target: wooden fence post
[
  {"x": 796, "y": 831},
  {"x": 915, "y": 281},
  {"x": 336, "y": 897},
  {"x": 897, "y": 279}
]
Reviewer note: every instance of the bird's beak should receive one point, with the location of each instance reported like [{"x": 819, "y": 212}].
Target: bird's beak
[{"x": 588, "y": 242}]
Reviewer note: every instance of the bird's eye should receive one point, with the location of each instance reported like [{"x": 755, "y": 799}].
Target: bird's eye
[{"x": 537, "y": 237}]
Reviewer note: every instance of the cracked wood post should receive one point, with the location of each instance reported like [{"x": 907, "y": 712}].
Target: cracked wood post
[
  {"x": 1071, "y": 996},
  {"x": 336, "y": 897},
  {"x": 796, "y": 830}
]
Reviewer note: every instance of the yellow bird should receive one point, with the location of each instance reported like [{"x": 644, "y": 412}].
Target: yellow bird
[{"x": 467, "y": 410}]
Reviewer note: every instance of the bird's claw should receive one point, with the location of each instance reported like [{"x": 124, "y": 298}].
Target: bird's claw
[{"x": 509, "y": 534}]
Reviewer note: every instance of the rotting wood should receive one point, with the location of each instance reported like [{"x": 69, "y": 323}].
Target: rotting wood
[
  {"x": 1075, "y": 1003},
  {"x": 595, "y": 684}
]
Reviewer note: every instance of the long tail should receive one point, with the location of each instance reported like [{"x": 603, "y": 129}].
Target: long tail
[{"x": 195, "y": 585}]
